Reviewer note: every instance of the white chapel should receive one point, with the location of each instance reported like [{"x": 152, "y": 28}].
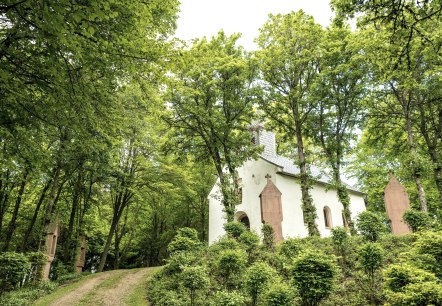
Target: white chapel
[{"x": 271, "y": 194}]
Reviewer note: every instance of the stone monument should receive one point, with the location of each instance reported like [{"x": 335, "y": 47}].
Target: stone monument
[
  {"x": 396, "y": 203},
  {"x": 81, "y": 255},
  {"x": 51, "y": 246},
  {"x": 271, "y": 208}
]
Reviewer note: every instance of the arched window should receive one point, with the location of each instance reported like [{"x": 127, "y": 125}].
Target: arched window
[
  {"x": 243, "y": 218},
  {"x": 327, "y": 217}
]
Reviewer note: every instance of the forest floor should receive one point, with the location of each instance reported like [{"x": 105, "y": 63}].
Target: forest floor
[{"x": 118, "y": 287}]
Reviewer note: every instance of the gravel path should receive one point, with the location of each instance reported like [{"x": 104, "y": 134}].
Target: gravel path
[{"x": 107, "y": 288}]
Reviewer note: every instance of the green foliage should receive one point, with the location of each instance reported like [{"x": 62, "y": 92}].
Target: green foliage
[
  {"x": 268, "y": 239},
  {"x": 428, "y": 248},
  {"x": 225, "y": 298},
  {"x": 188, "y": 232},
  {"x": 26, "y": 295},
  {"x": 398, "y": 276},
  {"x": 194, "y": 278},
  {"x": 186, "y": 239},
  {"x": 426, "y": 293},
  {"x": 370, "y": 225},
  {"x": 408, "y": 285},
  {"x": 290, "y": 248},
  {"x": 13, "y": 269},
  {"x": 416, "y": 220},
  {"x": 279, "y": 294},
  {"x": 314, "y": 275},
  {"x": 229, "y": 264},
  {"x": 257, "y": 278},
  {"x": 370, "y": 257},
  {"x": 250, "y": 241},
  {"x": 339, "y": 236},
  {"x": 37, "y": 261},
  {"x": 234, "y": 229}
]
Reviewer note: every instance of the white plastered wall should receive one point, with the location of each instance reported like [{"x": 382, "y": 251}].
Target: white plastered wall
[{"x": 253, "y": 178}]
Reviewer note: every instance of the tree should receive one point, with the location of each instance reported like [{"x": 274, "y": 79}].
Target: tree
[
  {"x": 211, "y": 95},
  {"x": 314, "y": 276},
  {"x": 339, "y": 91},
  {"x": 289, "y": 61}
]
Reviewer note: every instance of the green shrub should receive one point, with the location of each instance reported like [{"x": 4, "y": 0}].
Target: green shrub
[
  {"x": 290, "y": 248},
  {"x": 370, "y": 258},
  {"x": 268, "y": 237},
  {"x": 370, "y": 225},
  {"x": 26, "y": 295},
  {"x": 224, "y": 298},
  {"x": 229, "y": 264},
  {"x": 429, "y": 249},
  {"x": 249, "y": 240},
  {"x": 416, "y": 220},
  {"x": 426, "y": 293},
  {"x": 13, "y": 269},
  {"x": 314, "y": 276},
  {"x": 37, "y": 261},
  {"x": 257, "y": 277},
  {"x": 194, "y": 278},
  {"x": 188, "y": 232},
  {"x": 234, "y": 229},
  {"x": 278, "y": 294},
  {"x": 397, "y": 277}
]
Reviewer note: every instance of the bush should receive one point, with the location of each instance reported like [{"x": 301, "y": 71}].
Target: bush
[
  {"x": 256, "y": 279},
  {"x": 416, "y": 220},
  {"x": 234, "y": 229},
  {"x": 249, "y": 240},
  {"x": 314, "y": 275},
  {"x": 224, "y": 298},
  {"x": 229, "y": 264},
  {"x": 397, "y": 277},
  {"x": 194, "y": 278},
  {"x": 268, "y": 239},
  {"x": 290, "y": 248},
  {"x": 37, "y": 261},
  {"x": 188, "y": 232},
  {"x": 25, "y": 296},
  {"x": 429, "y": 249},
  {"x": 13, "y": 269},
  {"x": 370, "y": 258},
  {"x": 278, "y": 295},
  {"x": 370, "y": 225},
  {"x": 427, "y": 293}
]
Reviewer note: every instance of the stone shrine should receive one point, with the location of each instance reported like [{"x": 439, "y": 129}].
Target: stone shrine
[{"x": 396, "y": 203}]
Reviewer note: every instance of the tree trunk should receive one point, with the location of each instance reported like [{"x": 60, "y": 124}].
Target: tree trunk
[
  {"x": 415, "y": 165},
  {"x": 4, "y": 197},
  {"x": 308, "y": 209},
  {"x": 344, "y": 198},
  {"x": 49, "y": 206},
  {"x": 121, "y": 202},
  {"x": 25, "y": 243},
  {"x": 13, "y": 223}
]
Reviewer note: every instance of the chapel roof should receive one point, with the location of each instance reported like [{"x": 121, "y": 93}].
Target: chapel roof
[{"x": 287, "y": 165}]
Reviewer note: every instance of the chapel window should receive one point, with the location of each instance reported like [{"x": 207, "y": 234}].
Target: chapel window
[{"x": 327, "y": 217}]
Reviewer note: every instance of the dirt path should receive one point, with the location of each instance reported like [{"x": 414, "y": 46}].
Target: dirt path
[
  {"x": 117, "y": 293},
  {"x": 107, "y": 288}
]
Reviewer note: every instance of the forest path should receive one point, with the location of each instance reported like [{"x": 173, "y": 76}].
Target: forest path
[{"x": 118, "y": 287}]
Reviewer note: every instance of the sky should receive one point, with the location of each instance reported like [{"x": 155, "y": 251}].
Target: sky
[{"x": 200, "y": 18}]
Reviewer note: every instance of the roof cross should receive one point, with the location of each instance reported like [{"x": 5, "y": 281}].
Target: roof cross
[{"x": 268, "y": 177}]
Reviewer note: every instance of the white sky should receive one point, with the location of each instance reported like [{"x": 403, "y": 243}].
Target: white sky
[{"x": 200, "y": 18}]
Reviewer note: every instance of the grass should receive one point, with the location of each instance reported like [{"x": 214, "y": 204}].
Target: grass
[
  {"x": 63, "y": 290},
  {"x": 139, "y": 293},
  {"x": 108, "y": 283}
]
